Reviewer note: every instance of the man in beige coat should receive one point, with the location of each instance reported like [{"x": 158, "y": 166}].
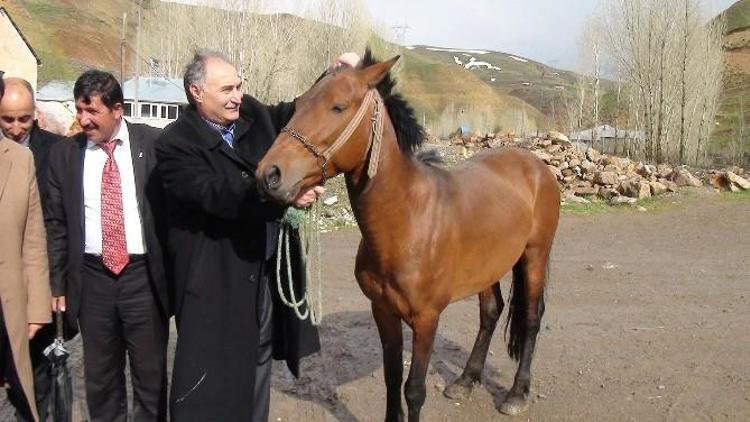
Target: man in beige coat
[{"x": 24, "y": 278}]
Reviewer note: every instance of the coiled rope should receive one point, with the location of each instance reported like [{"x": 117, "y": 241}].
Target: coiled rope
[{"x": 310, "y": 305}]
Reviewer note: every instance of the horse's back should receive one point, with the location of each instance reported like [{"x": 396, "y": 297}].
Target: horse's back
[{"x": 516, "y": 169}]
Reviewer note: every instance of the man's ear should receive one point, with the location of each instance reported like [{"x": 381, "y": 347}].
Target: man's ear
[
  {"x": 197, "y": 93},
  {"x": 118, "y": 109},
  {"x": 375, "y": 73}
]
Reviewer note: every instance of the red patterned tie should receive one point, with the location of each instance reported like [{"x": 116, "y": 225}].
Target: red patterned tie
[{"x": 114, "y": 248}]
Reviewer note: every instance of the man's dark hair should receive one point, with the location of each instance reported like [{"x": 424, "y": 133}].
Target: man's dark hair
[
  {"x": 2, "y": 85},
  {"x": 98, "y": 83}
]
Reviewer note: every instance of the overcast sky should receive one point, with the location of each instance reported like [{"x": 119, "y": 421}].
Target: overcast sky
[{"x": 545, "y": 30}]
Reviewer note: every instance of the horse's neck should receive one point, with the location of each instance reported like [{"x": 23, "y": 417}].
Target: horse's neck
[{"x": 384, "y": 202}]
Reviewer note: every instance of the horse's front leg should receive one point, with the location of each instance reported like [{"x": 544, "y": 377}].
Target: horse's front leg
[
  {"x": 424, "y": 327},
  {"x": 391, "y": 338}
]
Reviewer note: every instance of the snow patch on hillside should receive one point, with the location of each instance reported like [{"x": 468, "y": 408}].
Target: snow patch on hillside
[{"x": 474, "y": 63}]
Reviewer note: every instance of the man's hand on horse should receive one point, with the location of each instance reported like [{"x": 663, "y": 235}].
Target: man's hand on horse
[
  {"x": 305, "y": 198},
  {"x": 346, "y": 59}
]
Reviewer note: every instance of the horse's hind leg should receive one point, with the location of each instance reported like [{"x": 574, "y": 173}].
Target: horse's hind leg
[
  {"x": 391, "y": 338},
  {"x": 490, "y": 307},
  {"x": 525, "y": 315}
]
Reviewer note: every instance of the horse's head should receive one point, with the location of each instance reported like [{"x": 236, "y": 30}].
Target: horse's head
[{"x": 329, "y": 133}]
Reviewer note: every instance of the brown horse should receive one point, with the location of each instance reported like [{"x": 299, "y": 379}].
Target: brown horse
[{"x": 429, "y": 236}]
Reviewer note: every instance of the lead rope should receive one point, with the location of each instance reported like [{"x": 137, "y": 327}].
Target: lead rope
[{"x": 311, "y": 304}]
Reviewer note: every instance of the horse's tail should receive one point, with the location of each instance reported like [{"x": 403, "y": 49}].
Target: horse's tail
[
  {"x": 515, "y": 325},
  {"x": 518, "y": 306}
]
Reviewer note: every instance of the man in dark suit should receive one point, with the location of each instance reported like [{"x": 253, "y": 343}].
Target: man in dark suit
[
  {"x": 106, "y": 266},
  {"x": 221, "y": 242},
  {"x": 17, "y": 123}
]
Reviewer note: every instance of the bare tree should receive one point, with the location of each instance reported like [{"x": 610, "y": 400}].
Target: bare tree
[
  {"x": 278, "y": 55},
  {"x": 671, "y": 59}
]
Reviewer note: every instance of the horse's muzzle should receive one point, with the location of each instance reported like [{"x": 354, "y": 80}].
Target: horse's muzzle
[
  {"x": 269, "y": 184},
  {"x": 272, "y": 178}
]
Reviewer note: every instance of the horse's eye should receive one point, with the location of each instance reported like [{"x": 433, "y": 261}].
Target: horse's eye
[{"x": 338, "y": 109}]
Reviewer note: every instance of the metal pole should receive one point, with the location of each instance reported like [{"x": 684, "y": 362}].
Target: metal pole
[
  {"x": 136, "y": 104},
  {"x": 122, "y": 50}
]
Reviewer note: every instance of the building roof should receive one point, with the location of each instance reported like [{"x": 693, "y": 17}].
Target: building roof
[
  {"x": 56, "y": 91},
  {"x": 151, "y": 89},
  {"x": 605, "y": 132},
  {"x": 5, "y": 13}
]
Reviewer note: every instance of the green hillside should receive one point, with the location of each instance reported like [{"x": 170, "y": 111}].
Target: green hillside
[
  {"x": 737, "y": 16},
  {"x": 71, "y": 35},
  {"x": 731, "y": 139},
  {"x": 444, "y": 94},
  {"x": 448, "y": 95}
]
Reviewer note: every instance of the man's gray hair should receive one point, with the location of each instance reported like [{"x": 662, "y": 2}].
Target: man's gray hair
[{"x": 195, "y": 71}]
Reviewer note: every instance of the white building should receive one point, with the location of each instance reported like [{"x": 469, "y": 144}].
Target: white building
[
  {"x": 17, "y": 58},
  {"x": 159, "y": 100}
]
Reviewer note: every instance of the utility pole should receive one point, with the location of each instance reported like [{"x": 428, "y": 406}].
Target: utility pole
[
  {"x": 399, "y": 32},
  {"x": 122, "y": 50},
  {"x": 136, "y": 104}
]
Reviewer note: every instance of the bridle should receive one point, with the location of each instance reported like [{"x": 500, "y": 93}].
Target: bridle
[{"x": 376, "y": 136}]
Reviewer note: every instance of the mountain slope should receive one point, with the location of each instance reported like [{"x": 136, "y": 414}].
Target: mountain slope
[
  {"x": 448, "y": 96},
  {"x": 71, "y": 35},
  {"x": 731, "y": 137}
]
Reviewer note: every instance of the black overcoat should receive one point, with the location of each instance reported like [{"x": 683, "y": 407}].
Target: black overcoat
[
  {"x": 40, "y": 143},
  {"x": 221, "y": 241}
]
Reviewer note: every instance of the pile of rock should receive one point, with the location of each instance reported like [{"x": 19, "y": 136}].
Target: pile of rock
[
  {"x": 728, "y": 180},
  {"x": 585, "y": 172}
]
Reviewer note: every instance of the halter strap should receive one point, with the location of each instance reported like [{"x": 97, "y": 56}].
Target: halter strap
[{"x": 376, "y": 135}]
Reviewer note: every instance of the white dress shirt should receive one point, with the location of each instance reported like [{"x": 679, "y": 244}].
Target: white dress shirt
[{"x": 93, "y": 166}]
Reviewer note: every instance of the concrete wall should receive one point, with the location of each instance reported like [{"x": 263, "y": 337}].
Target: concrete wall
[{"x": 15, "y": 57}]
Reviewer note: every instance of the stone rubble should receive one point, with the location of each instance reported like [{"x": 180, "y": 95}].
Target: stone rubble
[{"x": 585, "y": 173}]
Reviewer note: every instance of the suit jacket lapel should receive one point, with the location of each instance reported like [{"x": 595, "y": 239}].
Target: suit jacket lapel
[
  {"x": 35, "y": 144},
  {"x": 249, "y": 148},
  {"x": 5, "y": 165},
  {"x": 138, "y": 156},
  {"x": 214, "y": 138},
  {"x": 76, "y": 177}
]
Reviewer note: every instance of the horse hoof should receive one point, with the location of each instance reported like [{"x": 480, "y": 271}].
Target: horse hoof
[
  {"x": 514, "y": 405},
  {"x": 458, "y": 391}
]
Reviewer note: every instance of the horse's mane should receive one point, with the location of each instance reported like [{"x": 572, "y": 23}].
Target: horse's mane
[{"x": 409, "y": 133}]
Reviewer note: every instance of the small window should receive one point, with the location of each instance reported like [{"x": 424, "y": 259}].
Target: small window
[
  {"x": 172, "y": 112},
  {"x": 128, "y": 109},
  {"x": 155, "y": 110},
  {"x": 164, "y": 111},
  {"x": 145, "y": 110}
]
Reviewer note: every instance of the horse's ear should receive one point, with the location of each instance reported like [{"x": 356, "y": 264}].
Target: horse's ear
[{"x": 375, "y": 73}]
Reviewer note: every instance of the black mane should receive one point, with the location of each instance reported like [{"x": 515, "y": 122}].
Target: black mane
[{"x": 409, "y": 133}]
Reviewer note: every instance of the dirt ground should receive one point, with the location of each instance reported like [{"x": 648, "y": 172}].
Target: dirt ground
[{"x": 647, "y": 320}]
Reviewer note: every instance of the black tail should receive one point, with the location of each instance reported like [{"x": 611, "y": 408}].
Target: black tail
[
  {"x": 517, "y": 323},
  {"x": 517, "y": 309}
]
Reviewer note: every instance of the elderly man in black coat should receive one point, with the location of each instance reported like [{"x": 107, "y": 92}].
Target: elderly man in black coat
[{"x": 221, "y": 244}]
